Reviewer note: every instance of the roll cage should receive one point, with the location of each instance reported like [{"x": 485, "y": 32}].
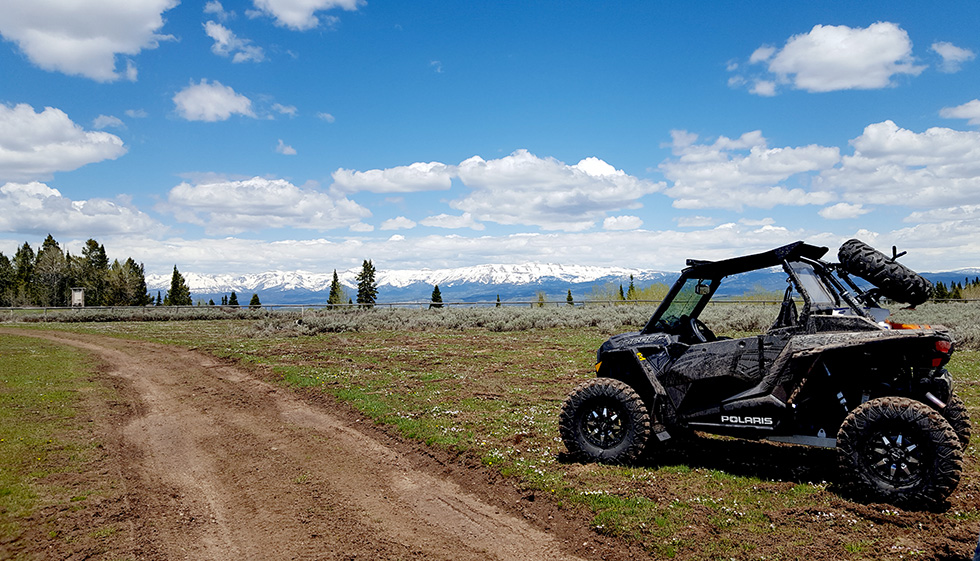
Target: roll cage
[{"x": 825, "y": 288}]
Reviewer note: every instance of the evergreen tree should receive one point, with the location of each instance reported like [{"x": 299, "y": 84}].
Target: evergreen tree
[
  {"x": 541, "y": 299},
  {"x": 436, "y": 298},
  {"x": 336, "y": 297},
  {"x": 8, "y": 281},
  {"x": 622, "y": 296},
  {"x": 136, "y": 276},
  {"x": 254, "y": 303},
  {"x": 224, "y": 300},
  {"x": 367, "y": 288},
  {"x": 117, "y": 287},
  {"x": 23, "y": 273},
  {"x": 50, "y": 276},
  {"x": 631, "y": 291},
  {"x": 210, "y": 301},
  {"x": 159, "y": 299},
  {"x": 94, "y": 272},
  {"x": 179, "y": 294},
  {"x": 956, "y": 293},
  {"x": 498, "y": 301},
  {"x": 233, "y": 299},
  {"x": 569, "y": 299},
  {"x": 940, "y": 292}
]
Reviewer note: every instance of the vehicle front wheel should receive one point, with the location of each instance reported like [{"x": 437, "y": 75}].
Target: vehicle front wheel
[
  {"x": 899, "y": 451},
  {"x": 604, "y": 420}
]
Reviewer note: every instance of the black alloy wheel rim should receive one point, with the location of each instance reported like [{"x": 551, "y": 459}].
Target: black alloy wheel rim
[
  {"x": 896, "y": 458},
  {"x": 603, "y": 424}
]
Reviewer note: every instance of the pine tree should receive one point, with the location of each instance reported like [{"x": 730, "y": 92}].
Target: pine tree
[
  {"x": 179, "y": 294},
  {"x": 956, "y": 293},
  {"x": 233, "y": 299},
  {"x": 23, "y": 272},
  {"x": 336, "y": 297},
  {"x": 569, "y": 299},
  {"x": 498, "y": 301},
  {"x": 631, "y": 291},
  {"x": 622, "y": 296},
  {"x": 254, "y": 303},
  {"x": 211, "y": 302},
  {"x": 8, "y": 281},
  {"x": 541, "y": 299},
  {"x": 436, "y": 298},
  {"x": 50, "y": 275},
  {"x": 137, "y": 283},
  {"x": 159, "y": 299},
  {"x": 367, "y": 288},
  {"x": 94, "y": 271},
  {"x": 224, "y": 300}
]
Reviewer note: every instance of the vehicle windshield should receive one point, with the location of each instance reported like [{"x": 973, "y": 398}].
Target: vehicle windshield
[
  {"x": 686, "y": 301},
  {"x": 820, "y": 296}
]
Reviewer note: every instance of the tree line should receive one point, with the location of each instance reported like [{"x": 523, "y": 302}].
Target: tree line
[
  {"x": 46, "y": 277},
  {"x": 956, "y": 291}
]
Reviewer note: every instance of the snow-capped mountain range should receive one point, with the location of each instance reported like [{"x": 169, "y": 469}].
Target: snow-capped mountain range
[
  {"x": 480, "y": 283},
  {"x": 465, "y": 283}
]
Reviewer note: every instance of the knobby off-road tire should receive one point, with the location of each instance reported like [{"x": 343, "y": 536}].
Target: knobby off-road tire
[
  {"x": 604, "y": 420},
  {"x": 957, "y": 416},
  {"x": 899, "y": 451},
  {"x": 896, "y": 281}
]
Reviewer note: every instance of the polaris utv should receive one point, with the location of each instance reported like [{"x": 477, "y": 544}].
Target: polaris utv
[{"x": 831, "y": 371}]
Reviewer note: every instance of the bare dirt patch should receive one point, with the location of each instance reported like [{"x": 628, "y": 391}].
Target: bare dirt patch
[{"x": 206, "y": 461}]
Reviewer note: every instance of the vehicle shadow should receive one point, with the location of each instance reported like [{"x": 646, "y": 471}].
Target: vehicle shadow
[{"x": 747, "y": 458}]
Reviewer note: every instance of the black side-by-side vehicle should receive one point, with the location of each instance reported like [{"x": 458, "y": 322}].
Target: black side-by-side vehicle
[{"x": 831, "y": 371}]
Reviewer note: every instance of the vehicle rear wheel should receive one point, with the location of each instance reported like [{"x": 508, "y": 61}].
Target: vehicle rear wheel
[
  {"x": 604, "y": 420},
  {"x": 900, "y": 451},
  {"x": 896, "y": 281}
]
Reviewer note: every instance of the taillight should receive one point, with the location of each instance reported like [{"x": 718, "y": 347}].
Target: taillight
[{"x": 945, "y": 348}]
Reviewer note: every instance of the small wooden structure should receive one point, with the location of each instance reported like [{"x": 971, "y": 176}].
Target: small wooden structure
[{"x": 78, "y": 297}]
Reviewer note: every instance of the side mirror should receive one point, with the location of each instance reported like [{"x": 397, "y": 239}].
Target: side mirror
[{"x": 702, "y": 288}]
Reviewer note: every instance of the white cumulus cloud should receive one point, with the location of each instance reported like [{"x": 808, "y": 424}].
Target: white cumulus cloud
[
  {"x": 524, "y": 189},
  {"x": 450, "y": 221},
  {"x": 285, "y": 149},
  {"x": 301, "y": 15},
  {"x": 402, "y": 179},
  {"x": 211, "y": 102},
  {"x": 952, "y": 56},
  {"x": 233, "y": 206},
  {"x": 107, "y": 121},
  {"x": 841, "y": 211},
  {"x": 969, "y": 110},
  {"x": 837, "y": 57},
  {"x": 35, "y": 145},
  {"x": 38, "y": 209},
  {"x": 84, "y": 38},
  {"x": 743, "y": 172},
  {"x": 896, "y": 166},
  {"x": 622, "y": 223},
  {"x": 226, "y": 43},
  {"x": 398, "y": 223}
]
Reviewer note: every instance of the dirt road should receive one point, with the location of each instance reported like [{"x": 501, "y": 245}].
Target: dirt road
[{"x": 215, "y": 463}]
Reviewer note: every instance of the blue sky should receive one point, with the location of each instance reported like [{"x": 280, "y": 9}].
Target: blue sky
[{"x": 237, "y": 137}]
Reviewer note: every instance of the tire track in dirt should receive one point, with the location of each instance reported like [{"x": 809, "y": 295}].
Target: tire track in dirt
[{"x": 220, "y": 465}]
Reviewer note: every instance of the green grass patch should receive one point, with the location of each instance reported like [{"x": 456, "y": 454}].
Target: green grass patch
[{"x": 40, "y": 387}]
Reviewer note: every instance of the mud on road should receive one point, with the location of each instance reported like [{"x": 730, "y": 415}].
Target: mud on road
[{"x": 208, "y": 461}]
